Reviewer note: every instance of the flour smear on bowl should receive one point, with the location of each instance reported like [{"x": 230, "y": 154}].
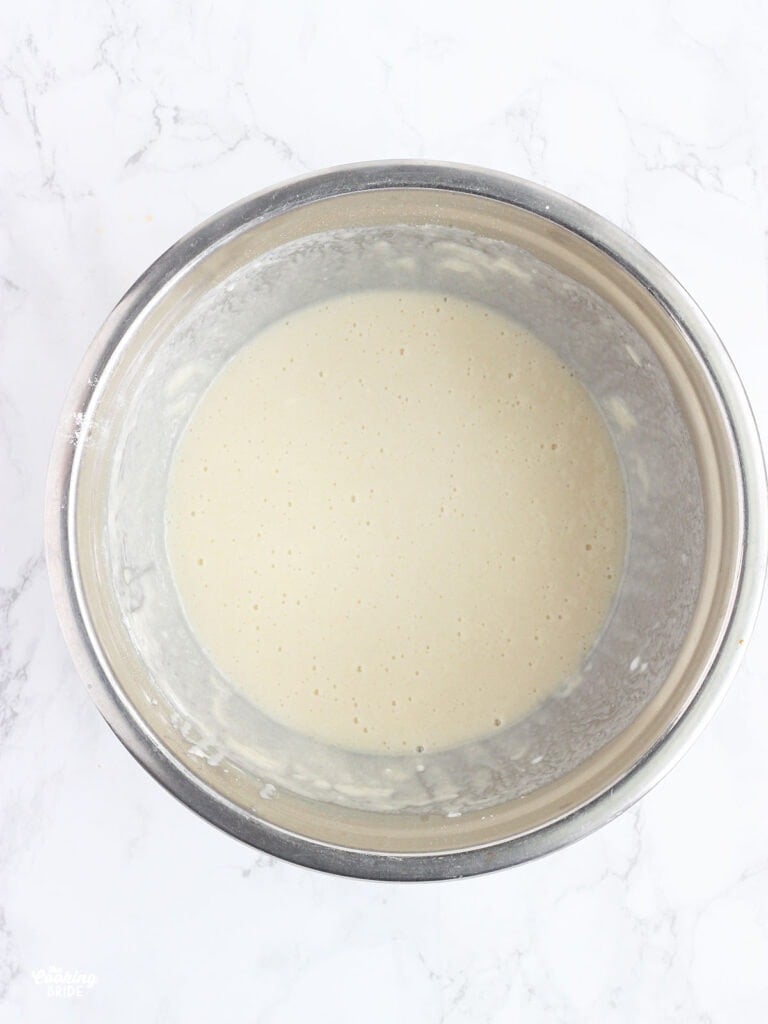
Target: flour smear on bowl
[{"x": 396, "y": 521}]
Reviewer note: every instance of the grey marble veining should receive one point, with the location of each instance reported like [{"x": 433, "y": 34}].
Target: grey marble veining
[{"x": 122, "y": 124}]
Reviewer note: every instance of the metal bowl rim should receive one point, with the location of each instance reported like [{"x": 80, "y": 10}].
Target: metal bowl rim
[{"x": 618, "y": 246}]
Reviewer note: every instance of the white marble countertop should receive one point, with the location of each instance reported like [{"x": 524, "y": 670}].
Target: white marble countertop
[{"x": 121, "y": 126}]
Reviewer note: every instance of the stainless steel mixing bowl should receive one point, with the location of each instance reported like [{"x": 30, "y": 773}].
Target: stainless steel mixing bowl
[{"x": 685, "y": 439}]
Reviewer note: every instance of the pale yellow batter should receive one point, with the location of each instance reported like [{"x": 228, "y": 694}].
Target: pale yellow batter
[{"x": 396, "y": 521}]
